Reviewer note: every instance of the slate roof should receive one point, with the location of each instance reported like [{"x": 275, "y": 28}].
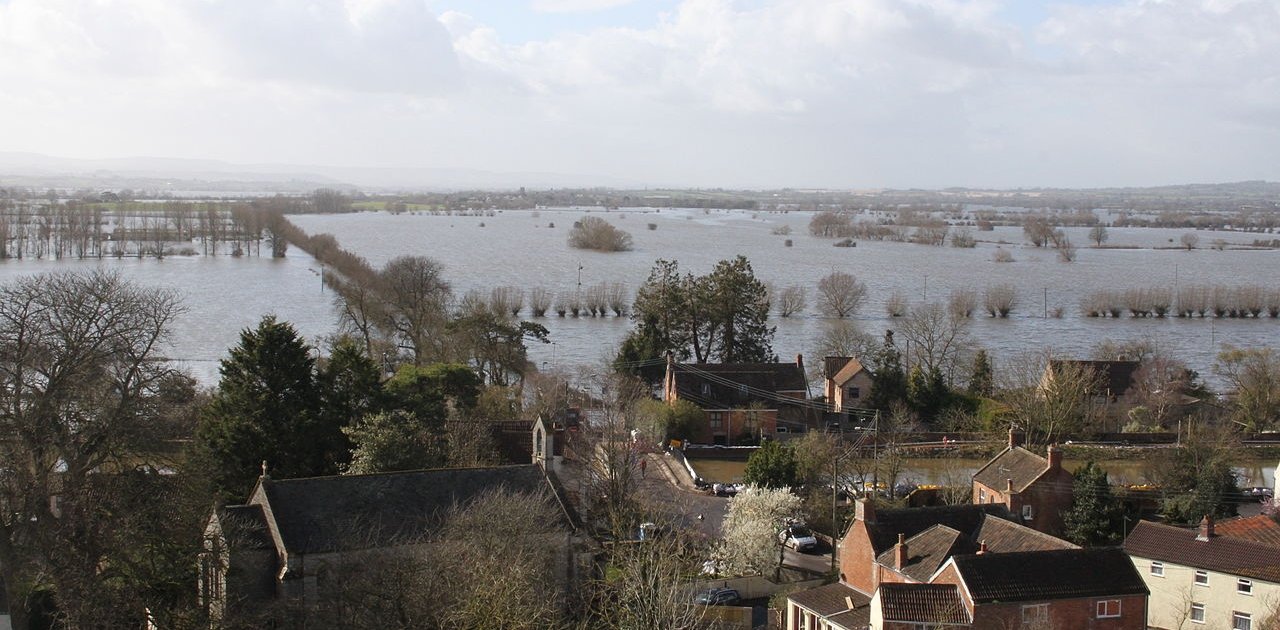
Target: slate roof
[
  {"x": 1114, "y": 377},
  {"x": 922, "y": 603},
  {"x": 1226, "y": 554},
  {"x": 1049, "y": 575},
  {"x": 322, "y": 514},
  {"x": 966, "y": 519},
  {"x": 245, "y": 527},
  {"x": 736, "y": 385},
  {"x": 929, "y": 550},
  {"x": 1260, "y": 529},
  {"x": 1017, "y": 463}
]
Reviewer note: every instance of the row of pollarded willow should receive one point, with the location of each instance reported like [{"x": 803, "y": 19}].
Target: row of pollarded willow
[{"x": 1191, "y": 301}]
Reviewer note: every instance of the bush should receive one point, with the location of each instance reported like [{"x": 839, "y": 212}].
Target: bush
[{"x": 598, "y": 234}]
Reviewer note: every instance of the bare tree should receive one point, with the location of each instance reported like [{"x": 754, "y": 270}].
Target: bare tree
[
  {"x": 1098, "y": 234},
  {"x": 506, "y": 300},
  {"x": 539, "y": 301},
  {"x": 415, "y": 298},
  {"x": 840, "y": 294},
  {"x": 962, "y": 302},
  {"x": 1037, "y": 229},
  {"x": 648, "y": 590},
  {"x": 1254, "y": 376},
  {"x": 936, "y": 339},
  {"x": 1051, "y": 398},
  {"x": 1189, "y": 240},
  {"x": 999, "y": 300},
  {"x": 598, "y": 234},
  {"x": 896, "y": 305},
  {"x": 81, "y": 391},
  {"x": 791, "y": 300}
]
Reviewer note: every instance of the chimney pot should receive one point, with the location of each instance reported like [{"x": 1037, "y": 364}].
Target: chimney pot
[
  {"x": 1206, "y": 528},
  {"x": 900, "y": 552},
  {"x": 800, "y": 361},
  {"x": 1008, "y": 485},
  {"x": 982, "y": 547}
]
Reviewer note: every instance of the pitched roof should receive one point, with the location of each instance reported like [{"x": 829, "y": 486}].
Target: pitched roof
[
  {"x": 321, "y": 514},
  {"x": 850, "y": 370},
  {"x": 832, "y": 365},
  {"x": 830, "y": 599},
  {"x": 1227, "y": 554},
  {"x": 922, "y": 603},
  {"x": 1048, "y": 575},
  {"x": 735, "y": 385},
  {"x": 1016, "y": 463},
  {"x": 1114, "y": 377},
  {"x": 1260, "y": 529},
  {"x": 966, "y": 519},
  {"x": 245, "y": 527},
  {"x": 926, "y": 551}
]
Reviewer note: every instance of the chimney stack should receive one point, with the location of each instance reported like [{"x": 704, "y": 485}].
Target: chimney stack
[
  {"x": 900, "y": 552},
  {"x": 1008, "y": 485},
  {"x": 1055, "y": 457},
  {"x": 800, "y": 361},
  {"x": 1206, "y": 528},
  {"x": 982, "y": 547},
  {"x": 1013, "y": 438},
  {"x": 864, "y": 510}
]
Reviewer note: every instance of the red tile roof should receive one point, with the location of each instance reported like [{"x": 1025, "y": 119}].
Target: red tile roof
[
  {"x": 923, "y": 603},
  {"x": 1017, "y": 464},
  {"x": 1261, "y": 529}
]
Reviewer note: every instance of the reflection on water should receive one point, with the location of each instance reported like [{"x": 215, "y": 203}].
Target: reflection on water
[{"x": 957, "y": 471}]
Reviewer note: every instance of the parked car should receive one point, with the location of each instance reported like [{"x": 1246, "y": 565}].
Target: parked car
[
  {"x": 725, "y": 489},
  {"x": 718, "y": 597},
  {"x": 798, "y": 537},
  {"x": 1257, "y": 493}
]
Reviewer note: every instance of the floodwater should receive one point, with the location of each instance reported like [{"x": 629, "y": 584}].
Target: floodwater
[
  {"x": 958, "y": 471},
  {"x": 224, "y": 295}
]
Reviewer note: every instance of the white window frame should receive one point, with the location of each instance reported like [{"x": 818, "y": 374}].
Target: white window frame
[
  {"x": 1157, "y": 568},
  {"x": 1027, "y": 512},
  {"x": 1238, "y": 616},
  {"x": 1196, "y": 607},
  {"x": 982, "y": 496},
  {"x": 1202, "y": 582},
  {"x": 1103, "y": 608},
  {"x": 1038, "y": 617},
  {"x": 1244, "y": 586}
]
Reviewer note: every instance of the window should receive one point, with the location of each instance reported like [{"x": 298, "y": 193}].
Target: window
[
  {"x": 706, "y": 389},
  {"x": 853, "y": 392},
  {"x": 1108, "y": 608},
  {"x": 1035, "y": 616},
  {"x": 716, "y": 420},
  {"x": 1157, "y": 569},
  {"x": 1202, "y": 578},
  {"x": 1027, "y": 512},
  {"x": 982, "y": 495},
  {"x": 1244, "y": 587},
  {"x": 1197, "y": 612},
  {"x": 1241, "y": 621}
]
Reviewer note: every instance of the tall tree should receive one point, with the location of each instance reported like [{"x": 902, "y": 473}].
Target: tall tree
[
  {"x": 888, "y": 380},
  {"x": 1094, "y": 517},
  {"x": 81, "y": 392},
  {"x": 414, "y": 308},
  {"x": 350, "y": 387},
  {"x": 266, "y": 408},
  {"x": 981, "y": 380},
  {"x": 738, "y": 331}
]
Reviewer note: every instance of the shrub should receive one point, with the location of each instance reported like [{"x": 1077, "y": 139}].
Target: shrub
[{"x": 598, "y": 234}]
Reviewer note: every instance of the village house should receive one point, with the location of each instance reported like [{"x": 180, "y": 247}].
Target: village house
[
  {"x": 1037, "y": 489},
  {"x": 743, "y": 402},
  {"x": 293, "y": 540},
  {"x": 906, "y": 546},
  {"x": 847, "y": 384},
  {"x": 1210, "y": 577}
]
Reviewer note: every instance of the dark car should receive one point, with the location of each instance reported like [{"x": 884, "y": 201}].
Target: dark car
[
  {"x": 1257, "y": 493},
  {"x": 718, "y": 597}
]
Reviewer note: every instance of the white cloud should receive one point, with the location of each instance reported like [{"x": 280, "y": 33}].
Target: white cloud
[
  {"x": 717, "y": 92},
  {"x": 576, "y": 6}
]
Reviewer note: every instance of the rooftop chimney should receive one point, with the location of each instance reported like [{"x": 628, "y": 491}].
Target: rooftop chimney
[
  {"x": 1008, "y": 485},
  {"x": 1206, "y": 528},
  {"x": 1055, "y": 457},
  {"x": 864, "y": 510},
  {"x": 800, "y": 361},
  {"x": 900, "y": 552},
  {"x": 1013, "y": 438},
  {"x": 982, "y": 547}
]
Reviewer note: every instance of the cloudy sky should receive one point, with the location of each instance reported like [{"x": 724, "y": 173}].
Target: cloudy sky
[{"x": 750, "y": 93}]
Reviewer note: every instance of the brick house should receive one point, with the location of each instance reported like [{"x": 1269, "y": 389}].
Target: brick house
[
  {"x": 743, "y": 402},
  {"x": 293, "y": 540},
  {"x": 1203, "y": 578},
  {"x": 847, "y": 383},
  {"x": 896, "y": 546},
  {"x": 1038, "y": 489},
  {"x": 1071, "y": 589}
]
